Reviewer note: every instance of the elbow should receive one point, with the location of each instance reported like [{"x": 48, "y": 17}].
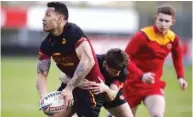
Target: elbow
[{"x": 61, "y": 77}]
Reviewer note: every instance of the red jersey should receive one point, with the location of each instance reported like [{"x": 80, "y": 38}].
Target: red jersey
[
  {"x": 148, "y": 50},
  {"x": 62, "y": 50}
]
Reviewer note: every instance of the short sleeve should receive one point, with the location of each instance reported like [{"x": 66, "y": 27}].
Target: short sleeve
[{"x": 44, "y": 50}]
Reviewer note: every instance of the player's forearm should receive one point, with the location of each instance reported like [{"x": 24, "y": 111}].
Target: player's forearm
[
  {"x": 133, "y": 69},
  {"x": 111, "y": 93},
  {"x": 42, "y": 73},
  {"x": 179, "y": 68},
  {"x": 178, "y": 59},
  {"x": 82, "y": 70},
  {"x": 41, "y": 85}
]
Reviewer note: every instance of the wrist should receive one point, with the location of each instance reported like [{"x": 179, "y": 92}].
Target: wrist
[
  {"x": 43, "y": 94},
  {"x": 106, "y": 88},
  {"x": 180, "y": 78},
  {"x": 70, "y": 86}
]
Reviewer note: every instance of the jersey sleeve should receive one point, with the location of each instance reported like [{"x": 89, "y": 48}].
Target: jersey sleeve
[
  {"x": 137, "y": 41},
  {"x": 44, "y": 50},
  {"x": 177, "y": 58},
  {"x": 78, "y": 36},
  {"x": 135, "y": 44},
  {"x": 134, "y": 71}
]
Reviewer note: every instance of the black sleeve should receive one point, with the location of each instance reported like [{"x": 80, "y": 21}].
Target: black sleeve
[
  {"x": 45, "y": 50},
  {"x": 76, "y": 33}
]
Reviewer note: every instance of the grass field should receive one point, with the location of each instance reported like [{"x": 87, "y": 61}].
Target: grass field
[{"x": 20, "y": 97}]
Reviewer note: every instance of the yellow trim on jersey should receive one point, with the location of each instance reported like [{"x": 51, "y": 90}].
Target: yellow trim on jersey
[
  {"x": 92, "y": 99},
  {"x": 55, "y": 54},
  {"x": 159, "y": 38},
  {"x": 67, "y": 64}
]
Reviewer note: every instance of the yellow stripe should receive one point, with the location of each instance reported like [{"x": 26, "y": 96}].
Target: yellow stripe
[
  {"x": 56, "y": 54},
  {"x": 160, "y": 39},
  {"x": 67, "y": 64},
  {"x": 93, "y": 99}
]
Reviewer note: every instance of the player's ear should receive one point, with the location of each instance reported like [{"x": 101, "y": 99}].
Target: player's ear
[{"x": 59, "y": 19}]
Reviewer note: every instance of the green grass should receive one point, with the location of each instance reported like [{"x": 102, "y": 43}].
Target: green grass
[{"x": 20, "y": 97}]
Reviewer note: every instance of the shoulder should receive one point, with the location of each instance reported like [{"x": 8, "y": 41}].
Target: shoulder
[
  {"x": 46, "y": 41},
  {"x": 139, "y": 37},
  {"x": 148, "y": 32},
  {"x": 142, "y": 33},
  {"x": 44, "y": 50},
  {"x": 175, "y": 39},
  {"x": 74, "y": 30},
  {"x": 74, "y": 33},
  {"x": 172, "y": 35}
]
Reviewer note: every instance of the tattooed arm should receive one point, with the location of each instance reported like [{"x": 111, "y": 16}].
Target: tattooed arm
[
  {"x": 86, "y": 63},
  {"x": 42, "y": 73}
]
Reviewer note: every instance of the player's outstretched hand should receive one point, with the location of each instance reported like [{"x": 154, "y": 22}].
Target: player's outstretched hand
[
  {"x": 148, "y": 78},
  {"x": 95, "y": 88},
  {"x": 183, "y": 83},
  {"x": 68, "y": 97}
]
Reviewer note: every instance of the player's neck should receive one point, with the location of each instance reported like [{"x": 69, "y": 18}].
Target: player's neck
[
  {"x": 163, "y": 32},
  {"x": 58, "y": 31}
]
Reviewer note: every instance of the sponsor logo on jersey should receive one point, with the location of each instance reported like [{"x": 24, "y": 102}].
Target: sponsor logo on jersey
[
  {"x": 63, "y": 41},
  {"x": 169, "y": 46}
]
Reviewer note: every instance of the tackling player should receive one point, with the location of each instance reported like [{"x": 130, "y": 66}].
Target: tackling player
[
  {"x": 73, "y": 54},
  {"x": 148, "y": 49},
  {"x": 114, "y": 66}
]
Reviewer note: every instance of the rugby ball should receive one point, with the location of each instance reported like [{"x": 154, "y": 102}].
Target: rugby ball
[{"x": 52, "y": 103}]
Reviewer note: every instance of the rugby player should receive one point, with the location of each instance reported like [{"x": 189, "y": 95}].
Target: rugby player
[
  {"x": 114, "y": 66},
  {"x": 73, "y": 54},
  {"x": 148, "y": 50}
]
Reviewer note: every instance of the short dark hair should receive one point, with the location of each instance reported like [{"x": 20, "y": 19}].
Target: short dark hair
[
  {"x": 116, "y": 58},
  {"x": 166, "y": 9},
  {"x": 60, "y": 8}
]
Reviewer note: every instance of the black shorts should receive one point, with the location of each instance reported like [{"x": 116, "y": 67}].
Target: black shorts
[
  {"x": 119, "y": 100},
  {"x": 86, "y": 104}
]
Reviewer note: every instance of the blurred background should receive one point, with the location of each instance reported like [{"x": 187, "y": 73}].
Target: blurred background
[{"x": 108, "y": 24}]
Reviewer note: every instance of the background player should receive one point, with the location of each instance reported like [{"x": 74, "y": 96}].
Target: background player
[
  {"x": 114, "y": 66},
  {"x": 73, "y": 54},
  {"x": 148, "y": 49}
]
